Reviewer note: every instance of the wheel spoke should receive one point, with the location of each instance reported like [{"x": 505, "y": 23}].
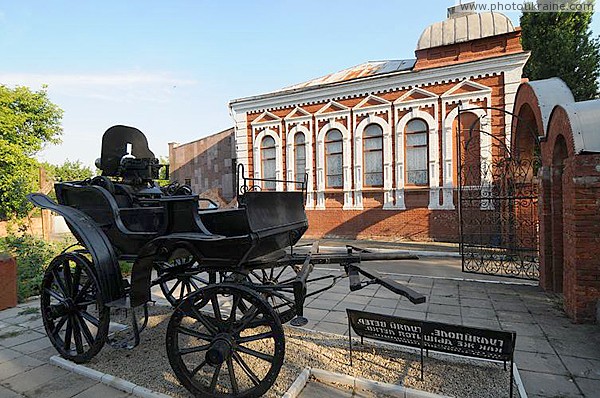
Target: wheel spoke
[
  {"x": 76, "y": 280},
  {"x": 215, "y": 378},
  {"x": 205, "y": 321},
  {"x": 254, "y": 353},
  {"x": 194, "y": 333},
  {"x": 77, "y": 335},
  {"x": 90, "y": 318},
  {"x": 232, "y": 379},
  {"x": 280, "y": 273},
  {"x": 87, "y": 334},
  {"x": 197, "y": 368},
  {"x": 234, "y": 305},
  {"x": 83, "y": 290},
  {"x": 215, "y": 306},
  {"x": 255, "y": 337},
  {"x": 59, "y": 282},
  {"x": 55, "y": 294},
  {"x": 68, "y": 280},
  {"x": 191, "y": 350},
  {"x": 248, "y": 317},
  {"x": 68, "y": 333},
  {"x": 59, "y": 325},
  {"x": 246, "y": 368},
  {"x": 174, "y": 287}
]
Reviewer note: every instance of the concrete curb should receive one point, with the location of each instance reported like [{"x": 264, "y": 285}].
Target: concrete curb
[
  {"x": 443, "y": 355},
  {"x": 104, "y": 378},
  {"x": 298, "y": 384},
  {"x": 377, "y": 387}
]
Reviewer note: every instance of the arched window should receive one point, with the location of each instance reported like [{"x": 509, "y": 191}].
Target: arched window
[
  {"x": 470, "y": 150},
  {"x": 268, "y": 161},
  {"x": 299, "y": 159},
  {"x": 373, "y": 155},
  {"x": 416, "y": 153},
  {"x": 333, "y": 159}
]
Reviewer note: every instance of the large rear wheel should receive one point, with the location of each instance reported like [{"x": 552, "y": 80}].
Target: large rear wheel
[
  {"x": 74, "y": 315},
  {"x": 225, "y": 341}
]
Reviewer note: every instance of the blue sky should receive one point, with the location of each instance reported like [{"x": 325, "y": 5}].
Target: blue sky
[{"x": 169, "y": 68}]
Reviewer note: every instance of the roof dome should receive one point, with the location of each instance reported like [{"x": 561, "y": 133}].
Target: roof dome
[{"x": 464, "y": 27}]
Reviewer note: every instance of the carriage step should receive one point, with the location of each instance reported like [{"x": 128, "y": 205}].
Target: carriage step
[{"x": 128, "y": 332}]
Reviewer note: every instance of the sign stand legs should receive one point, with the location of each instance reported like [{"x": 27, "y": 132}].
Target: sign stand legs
[
  {"x": 350, "y": 340},
  {"x": 422, "y": 362}
]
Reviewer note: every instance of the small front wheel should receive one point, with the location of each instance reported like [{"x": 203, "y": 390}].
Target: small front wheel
[
  {"x": 74, "y": 315},
  {"x": 225, "y": 340}
]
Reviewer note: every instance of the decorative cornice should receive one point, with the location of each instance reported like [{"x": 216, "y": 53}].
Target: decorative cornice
[{"x": 380, "y": 84}]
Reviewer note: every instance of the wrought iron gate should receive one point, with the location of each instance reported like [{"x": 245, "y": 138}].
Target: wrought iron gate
[{"x": 497, "y": 204}]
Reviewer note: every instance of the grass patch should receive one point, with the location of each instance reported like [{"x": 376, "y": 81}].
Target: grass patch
[
  {"x": 8, "y": 335},
  {"x": 28, "y": 311}
]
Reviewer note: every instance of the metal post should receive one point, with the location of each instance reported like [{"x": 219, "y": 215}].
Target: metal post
[
  {"x": 511, "y": 375},
  {"x": 350, "y": 340},
  {"x": 422, "y": 361}
]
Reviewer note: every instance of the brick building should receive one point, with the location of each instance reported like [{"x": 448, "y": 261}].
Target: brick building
[
  {"x": 378, "y": 141},
  {"x": 205, "y": 164}
]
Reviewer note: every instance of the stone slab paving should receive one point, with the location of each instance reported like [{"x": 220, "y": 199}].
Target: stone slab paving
[
  {"x": 24, "y": 367},
  {"x": 555, "y": 357}
]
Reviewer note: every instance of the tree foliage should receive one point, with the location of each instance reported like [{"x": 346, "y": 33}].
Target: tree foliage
[
  {"x": 69, "y": 171},
  {"x": 28, "y": 120},
  {"x": 562, "y": 45}
]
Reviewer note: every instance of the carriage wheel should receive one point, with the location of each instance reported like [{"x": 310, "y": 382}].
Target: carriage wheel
[
  {"x": 282, "y": 300},
  {"x": 74, "y": 315},
  {"x": 225, "y": 341},
  {"x": 186, "y": 276}
]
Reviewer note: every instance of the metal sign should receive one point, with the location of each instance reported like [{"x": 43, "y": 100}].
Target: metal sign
[{"x": 436, "y": 336}]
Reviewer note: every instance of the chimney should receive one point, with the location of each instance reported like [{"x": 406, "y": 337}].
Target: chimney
[{"x": 461, "y": 9}]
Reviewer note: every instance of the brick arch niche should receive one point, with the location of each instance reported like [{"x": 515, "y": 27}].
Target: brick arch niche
[{"x": 569, "y": 191}]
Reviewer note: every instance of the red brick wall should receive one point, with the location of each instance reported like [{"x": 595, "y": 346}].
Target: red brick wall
[{"x": 412, "y": 224}]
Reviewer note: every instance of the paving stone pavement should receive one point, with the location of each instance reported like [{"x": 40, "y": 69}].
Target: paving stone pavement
[
  {"x": 25, "y": 370},
  {"x": 555, "y": 357}
]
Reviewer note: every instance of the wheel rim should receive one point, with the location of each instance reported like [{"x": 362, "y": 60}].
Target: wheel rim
[
  {"x": 74, "y": 316},
  {"x": 225, "y": 341}
]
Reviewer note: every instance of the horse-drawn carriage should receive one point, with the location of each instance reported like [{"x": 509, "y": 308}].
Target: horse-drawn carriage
[{"x": 224, "y": 270}]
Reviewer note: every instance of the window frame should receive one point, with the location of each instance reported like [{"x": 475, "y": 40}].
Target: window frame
[
  {"x": 262, "y": 148},
  {"x": 406, "y": 147},
  {"x": 341, "y": 153},
  {"x": 296, "y": 145},
  {"x": 365, "y": 151}
]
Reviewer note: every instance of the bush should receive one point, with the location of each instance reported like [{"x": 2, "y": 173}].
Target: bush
[{"x": 33, "y": 254}]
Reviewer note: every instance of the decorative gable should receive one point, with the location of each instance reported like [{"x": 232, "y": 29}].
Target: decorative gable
[
  {"x": 297, "y": 112},
  {"x": 417, "y": 94},
  {"x": 332, "y": 107},
  {"x": 467, "y": 87},
  {"x": 371, "y": 101},
  {"x": 266, "y": 117}
]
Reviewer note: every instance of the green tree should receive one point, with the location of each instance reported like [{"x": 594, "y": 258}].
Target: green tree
[
  {"x": 69, "y": 171},
  {"x": 28, "y": 121},
  {"x": 562, "y": 45}
]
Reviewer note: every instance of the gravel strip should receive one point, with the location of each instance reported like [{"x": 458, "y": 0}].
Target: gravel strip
[{"x": 147, "y": 365}]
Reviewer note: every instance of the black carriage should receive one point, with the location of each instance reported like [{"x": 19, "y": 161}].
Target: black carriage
[{"x": 224, "y": 270}]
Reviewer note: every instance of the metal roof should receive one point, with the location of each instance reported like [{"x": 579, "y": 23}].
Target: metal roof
[
  {"x": 549, "y": 93},
  {"x": 585, "y": 124},
  {"x": 465, "y": 27},
  {"x": 370, "y": 68}
]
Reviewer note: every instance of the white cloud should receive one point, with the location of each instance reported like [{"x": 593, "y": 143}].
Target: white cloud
[{"x": 119, "y": 87}]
